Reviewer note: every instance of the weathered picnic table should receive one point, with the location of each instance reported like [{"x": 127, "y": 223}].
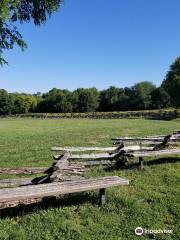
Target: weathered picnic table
[
  {"x": 160, "y": 143},
  {"x": 147, "y": 147},
  {"x": 61, "y": 188},
  {"x": 65, "y": 177}
]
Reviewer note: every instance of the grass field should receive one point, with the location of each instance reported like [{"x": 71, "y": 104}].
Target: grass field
[{"x": 150, "y": 201}]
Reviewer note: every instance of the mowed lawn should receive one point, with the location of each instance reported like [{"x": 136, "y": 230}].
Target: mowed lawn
[{"x": 150, "y": 201}]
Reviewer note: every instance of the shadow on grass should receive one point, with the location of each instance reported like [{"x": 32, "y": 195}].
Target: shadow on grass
[
  {"x": 163, "y": 160},
  {"x": 50, "y": 202},
  {"x": 135, "y": 165}
]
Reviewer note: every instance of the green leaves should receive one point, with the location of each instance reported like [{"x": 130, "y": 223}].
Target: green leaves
[
  {"x": 23, "y": 11},
  {"x": 172, "y": 83}
]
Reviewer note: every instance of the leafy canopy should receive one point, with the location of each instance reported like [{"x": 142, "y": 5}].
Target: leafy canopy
[
  {"x": 172, "y": 83},
  {"x": 12, "y": 11}
]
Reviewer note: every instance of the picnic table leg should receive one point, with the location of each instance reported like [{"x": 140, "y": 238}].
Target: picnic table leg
[
  {"x": 102, "y": 199},
  {"x": 141, "y": 163}
]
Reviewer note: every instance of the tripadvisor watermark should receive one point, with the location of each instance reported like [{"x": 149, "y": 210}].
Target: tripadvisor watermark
[{"x": 140, "y": 231}]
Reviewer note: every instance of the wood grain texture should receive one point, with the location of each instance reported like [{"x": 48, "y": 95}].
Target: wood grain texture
[
  {"x": 63, "y": 162},
  {"x": 23, "y": 170},
  {"x": 55, "y": 189},
  {"x": 82, "y": 149},
  {"x": 93, "y": 156},
  {"x": 15, "y": 182},
  {"x": 150, "y": 138},
  {"x": 106, "y": 149},
  {"x": 154, "y": 153}
]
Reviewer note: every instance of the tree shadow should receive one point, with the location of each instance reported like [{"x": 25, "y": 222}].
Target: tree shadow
[
  {"x": 162, "y": 161},
  {"x": 50, "y": 202},
  {"x": 161, "y": 118}
]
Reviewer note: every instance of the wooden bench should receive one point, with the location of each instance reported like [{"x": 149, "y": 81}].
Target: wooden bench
[
  {"x": 61, "y": 188},
  {"x": 142, "y": 154},
  {"x": 159, "y": 145},
  {"x": 172, "y": 139},
  {"x": 106, "y": 155}
]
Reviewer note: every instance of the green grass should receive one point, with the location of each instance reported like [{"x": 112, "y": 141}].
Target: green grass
[{"x": 150, "y": 201}]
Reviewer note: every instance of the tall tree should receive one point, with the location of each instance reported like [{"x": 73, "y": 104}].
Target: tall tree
[
  {"x": 141, "y": 95},
  {"x": 12, "y": 11},
  {"x": 172, "y": 83},
  {"x": 6, "y": 104},
  {"x": 159, "y": 98},
  {"x": 109, "y": 99},
  {"x": 56, "y": 100},
  {"x": 87, "y": 100}
]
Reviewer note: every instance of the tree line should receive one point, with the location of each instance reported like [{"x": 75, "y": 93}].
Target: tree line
[{"x": 141, "y": 96}]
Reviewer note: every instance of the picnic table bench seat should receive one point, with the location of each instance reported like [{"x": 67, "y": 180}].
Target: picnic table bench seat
[{"x": 61, "y": 188}]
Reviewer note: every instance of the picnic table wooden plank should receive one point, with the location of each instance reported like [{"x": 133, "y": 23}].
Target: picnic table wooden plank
[
  {"x": 154, "y": 153},
  {"x": 23, "y": 170},
  {"x": 97, "y": 162},
  {"x": 15, "y": 182},
  {"x": 55, "y": 189},
  {"x": 81, "y": 149},
  {"x": 93, "y": 156},
  {"x": 154, "y": 139}
]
